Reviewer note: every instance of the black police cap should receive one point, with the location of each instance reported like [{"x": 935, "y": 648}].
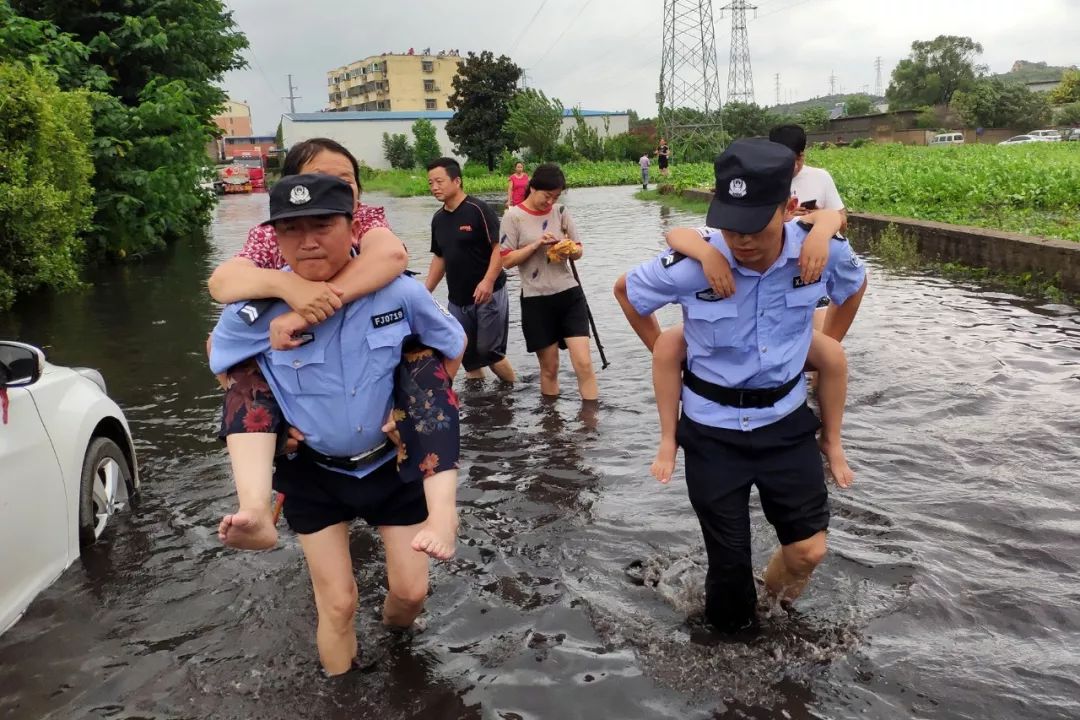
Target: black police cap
[
  {"x": 753, "y": 177},
  {"x": 310, "y": 195}
]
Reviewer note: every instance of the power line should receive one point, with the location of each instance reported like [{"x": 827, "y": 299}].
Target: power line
[
  {"x": 780, "y": 9},
  {"x": 689, "y": 78},
  {"x": 877, "y": 84},
  {"x": 740, "y": 77},
  {"x": 528, "y": 25},
  {"x": 568, "y": 26}
]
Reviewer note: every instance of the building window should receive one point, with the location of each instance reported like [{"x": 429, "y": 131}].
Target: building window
[
  {"x": 429, "y": 104},
  {"x": 427, "y": 66},
  {"x": 429, "y": 86}
]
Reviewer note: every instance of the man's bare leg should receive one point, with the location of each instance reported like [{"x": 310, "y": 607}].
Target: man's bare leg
[
  {"x": 792, "y": 565},
  {"x": 827, "y": 356},
  {"x": 438, "y": 534},
  {"x": 504, "y": 371},
  {"x": 330, "y": 565},
  {"x": 406, "y": 575},
  {"x": 252, "y": 526},
  {"x": 669, "y": 352}
]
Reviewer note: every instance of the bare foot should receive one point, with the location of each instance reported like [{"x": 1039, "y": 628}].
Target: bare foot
[
  {"x": 664, "y": 463},
  {"x": 246, "y": 530},
  {"x": 438, "y": 536},
  {"x": 838, "y": 465}
]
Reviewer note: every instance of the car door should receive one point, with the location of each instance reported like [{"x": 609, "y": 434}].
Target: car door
[{"x": 33, "y": 506}]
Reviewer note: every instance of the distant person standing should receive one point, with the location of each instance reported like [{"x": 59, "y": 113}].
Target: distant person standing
[
  {"x": 663, "y": 155},
  {"x": 517, "y": 187},
  {"x": 465, "y": 243},
  {"x": 644, "y": 162},
  {"x": 813, "y": 188}
]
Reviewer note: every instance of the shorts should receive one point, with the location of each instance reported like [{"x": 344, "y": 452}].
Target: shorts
[
  {"x": 784, "y": 462},
  {"x": 425, "y": 408},
  {"x": 549, "y": 319},
  {"x": 663, "y": 162},
  {"x": 486, "y": 327},
  {"x": 317, "y": 497}
]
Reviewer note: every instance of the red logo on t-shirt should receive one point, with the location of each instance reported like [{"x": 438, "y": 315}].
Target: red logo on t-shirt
[{"x": 465, "y": 228}]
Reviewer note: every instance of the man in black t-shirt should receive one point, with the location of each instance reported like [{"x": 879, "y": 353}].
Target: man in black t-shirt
[{"x": 465, "y": 245}]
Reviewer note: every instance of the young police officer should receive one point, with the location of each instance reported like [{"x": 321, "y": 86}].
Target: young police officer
[
  {"x": 745, "y": 420},
  {"x": 336, "y": 389}
]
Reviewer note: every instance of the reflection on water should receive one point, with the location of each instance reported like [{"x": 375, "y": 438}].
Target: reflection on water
[{"x": 950, "y": 591}]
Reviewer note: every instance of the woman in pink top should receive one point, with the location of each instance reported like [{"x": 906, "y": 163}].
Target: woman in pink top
[{"x": 518, "y": 186}]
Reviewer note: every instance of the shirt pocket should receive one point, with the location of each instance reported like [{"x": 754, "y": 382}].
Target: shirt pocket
[
  {"x": 801, "y": 303},
  {"x": 384, "y": 348},
  {"x": 301, "y": 371},
  {"x": 717, "y": 323}
]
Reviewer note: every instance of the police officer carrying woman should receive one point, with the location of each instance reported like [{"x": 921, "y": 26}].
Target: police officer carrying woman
[{"x": 745, "y": 420}]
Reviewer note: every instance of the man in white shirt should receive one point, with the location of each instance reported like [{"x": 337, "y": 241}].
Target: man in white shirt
[{"x": 814, "y": 188}]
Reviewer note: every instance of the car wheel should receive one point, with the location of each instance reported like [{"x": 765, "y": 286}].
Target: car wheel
[{"x": 105, "y": 479}]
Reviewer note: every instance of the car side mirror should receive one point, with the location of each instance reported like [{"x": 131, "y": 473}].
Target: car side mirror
[{"x": 20, "y": 364}]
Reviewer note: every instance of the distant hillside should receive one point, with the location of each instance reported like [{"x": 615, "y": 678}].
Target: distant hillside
[
  {"x": 827, "y": 101},
  {"x": 1029, "y": 72}
]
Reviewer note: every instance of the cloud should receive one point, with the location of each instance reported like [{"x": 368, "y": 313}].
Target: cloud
[{"x": 605, "y": 54}]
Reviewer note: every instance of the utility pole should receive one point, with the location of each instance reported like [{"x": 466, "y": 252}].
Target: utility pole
[
  {"x": 740, "y": 86},
  {"x": 291, "y": 97},
  {"x": 777, "y": 88},
  {"x": 877, "y": 83},
  {"x": 689, "y": 80}
]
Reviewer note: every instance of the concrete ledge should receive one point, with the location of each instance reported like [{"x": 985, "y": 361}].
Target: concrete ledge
[{"x": 977, "y": 247}]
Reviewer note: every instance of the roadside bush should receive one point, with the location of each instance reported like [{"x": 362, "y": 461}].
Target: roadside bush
[
  {"x": 45, "y": 190},
  {"x": 397, "y": 151}
]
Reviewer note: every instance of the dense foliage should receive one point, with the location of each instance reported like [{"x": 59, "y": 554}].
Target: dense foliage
[
  {"x": 934, "y": 71},
  {"x": 397, "y": 151},
  {"x": 996, "y": 104},
  {"x": 45, "y": 190},
  {"x": 483, "y": 89},
  {"x": 535, "y": 122},
  {"x": 426, "y": 147}
]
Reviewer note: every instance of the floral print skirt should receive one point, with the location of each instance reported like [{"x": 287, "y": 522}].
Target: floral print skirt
[{"x": 425, "y": 408}]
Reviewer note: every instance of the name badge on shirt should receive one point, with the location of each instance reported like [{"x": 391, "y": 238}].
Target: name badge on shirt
[
  {"x": 388, "y": 318},
  {"x": 798, "y": 282}
]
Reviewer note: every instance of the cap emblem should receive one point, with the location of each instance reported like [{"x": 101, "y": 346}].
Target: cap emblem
[
  {"x": 737, "y": 188},
  {"x": 299, "y": 195}
]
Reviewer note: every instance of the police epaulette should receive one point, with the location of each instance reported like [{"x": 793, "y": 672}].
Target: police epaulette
[
  {"x": 251, "y": 311},
  {"x": 808, "y": 227},
  {"x": 669, "y": 260}
]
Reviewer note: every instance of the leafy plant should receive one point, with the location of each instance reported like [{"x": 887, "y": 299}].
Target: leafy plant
[
  {"x": 535, "y": 122},
  {"x": 397, "y": 151},
  {"x": 483, "y": 88},
  {"x": 427, "y": 147}
]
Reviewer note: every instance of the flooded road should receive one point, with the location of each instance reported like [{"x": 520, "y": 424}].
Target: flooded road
[{"x": 951, "y": 590}]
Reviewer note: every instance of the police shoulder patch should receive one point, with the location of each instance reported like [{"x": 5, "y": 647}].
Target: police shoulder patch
[
  {"x": 388, "y": 318},
  {"x": 250, "y": 312},
  {"x": 671, "y": 258},
  {"x": 438, "y": 304},
  {"x": 708, "y": 295}
]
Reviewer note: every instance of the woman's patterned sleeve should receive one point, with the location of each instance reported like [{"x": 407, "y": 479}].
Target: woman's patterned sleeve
[
  {"x": 261, "y": 248},
  {"x": 371, "y": 217}
]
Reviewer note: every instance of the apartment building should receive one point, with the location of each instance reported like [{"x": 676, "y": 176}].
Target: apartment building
[
  {"x": 405, "y": 82},
  {"x": 235, "y": 119}
]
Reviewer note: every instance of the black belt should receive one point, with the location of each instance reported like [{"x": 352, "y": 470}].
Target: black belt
[
  {"x": 738, "y": 397},
  {"x": 345, "y": 463}
]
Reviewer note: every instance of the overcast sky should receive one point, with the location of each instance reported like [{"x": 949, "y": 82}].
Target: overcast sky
[{"x": 605, "y": 54}]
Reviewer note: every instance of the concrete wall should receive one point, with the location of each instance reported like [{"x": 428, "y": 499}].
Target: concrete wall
[
  {"x": 975, "y": 247},
  {"x": 363, "y": 138}
]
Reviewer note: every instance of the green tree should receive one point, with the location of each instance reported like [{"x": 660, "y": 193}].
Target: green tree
[
  {"x": 426, "y": 147},
  {"x": 993, "y": 103},
  {"x": 483, "y": 89},
  {"x": 158, "y": 66},
  {"x": 1069, "y": 114},
  {"x": 45, "y": 190},
  {"x": 585, "y": 139},
  {"x": 814, "y": 118},
  {"x": 934, "y": 71},
  {"x": 535, "y": 122},
  {"x": 747, "y": 120},
  {"x": 279, "y": 137},
  {"x": 858, "y": 105},
  {"x": 1069, "y": 89},
  {"x": 397, "y": 151}
]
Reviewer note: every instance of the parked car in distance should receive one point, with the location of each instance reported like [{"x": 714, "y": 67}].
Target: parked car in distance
[
  {"x": 67, "y": 464},
  {"x": 1047, "y": 135},
  {"x": 1072, "y": 134},
  {"x": 1020, "y": 139},
  {"x": 951, "y": 138}
]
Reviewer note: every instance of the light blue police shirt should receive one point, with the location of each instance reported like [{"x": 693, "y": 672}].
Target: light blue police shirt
[
  {"x": 757, "y": 338},
  {"x": 337, "y": 389}
]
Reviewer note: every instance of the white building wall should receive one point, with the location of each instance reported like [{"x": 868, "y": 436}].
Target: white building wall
[
  {"x": 363, "y": 138},
  {"x": 617, "y": 124}
]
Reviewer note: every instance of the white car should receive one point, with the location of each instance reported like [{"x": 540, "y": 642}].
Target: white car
[
  {"x": 67, "y": 464},
  {"x": 1020, "y": 139},
  {"x": 1046, "y": 135}
]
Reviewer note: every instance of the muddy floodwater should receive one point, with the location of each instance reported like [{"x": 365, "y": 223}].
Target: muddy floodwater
[{"x": 951, "y": 591}]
